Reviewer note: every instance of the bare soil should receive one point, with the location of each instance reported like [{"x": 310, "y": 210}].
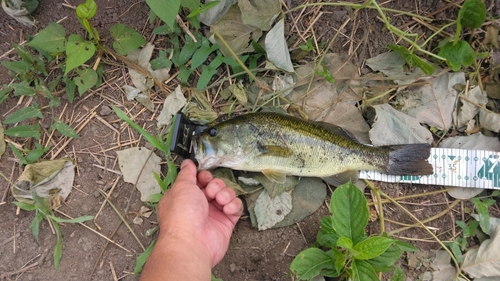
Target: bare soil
[{"x": 252, "y": 255}]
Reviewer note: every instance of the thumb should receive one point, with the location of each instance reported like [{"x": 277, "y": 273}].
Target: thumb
[{"x": 188, "y": 172}]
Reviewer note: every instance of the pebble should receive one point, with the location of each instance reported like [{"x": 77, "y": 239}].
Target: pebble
[
  {"x": 232, "y": 267},
  {"x": 105, "y": 110}
]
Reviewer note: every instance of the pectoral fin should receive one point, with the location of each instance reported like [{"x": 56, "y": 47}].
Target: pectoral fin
[
  {"x": 342, "y": 178},
  {"x": 275, "y": 175}
]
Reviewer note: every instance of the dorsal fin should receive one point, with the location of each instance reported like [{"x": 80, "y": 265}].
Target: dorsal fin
[{"x": 337, "y": 130}]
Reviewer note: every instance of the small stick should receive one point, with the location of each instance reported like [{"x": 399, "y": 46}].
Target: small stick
[
  {"x": 104, "y": 202},
  {"x": 115, "y": 278},
  {"x": 300, "y": 229}
]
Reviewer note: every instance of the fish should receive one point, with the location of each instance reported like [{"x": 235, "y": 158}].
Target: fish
[{"x": 280, "y": 145}]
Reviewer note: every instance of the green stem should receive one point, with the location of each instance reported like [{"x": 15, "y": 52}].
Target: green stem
[{"x": 376, "y": 191}]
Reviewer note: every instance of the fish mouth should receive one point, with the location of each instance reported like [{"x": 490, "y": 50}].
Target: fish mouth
[{"x": 204, "y": 153}]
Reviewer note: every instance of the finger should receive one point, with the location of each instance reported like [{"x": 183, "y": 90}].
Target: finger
[
  {"x": 204, "y": 177},
  {"x": 233, "y": 210},
  {"x": 213, "y": 187},
  {"x": 187, "y": 175},
  {"x": 225, "y": 195}
]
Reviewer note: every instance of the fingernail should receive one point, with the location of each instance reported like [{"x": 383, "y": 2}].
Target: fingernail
[{"x": 184, "y": 163}]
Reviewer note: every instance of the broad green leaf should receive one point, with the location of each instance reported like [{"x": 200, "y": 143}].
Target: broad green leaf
[
  {"x": 78, "y": 51},
  {"x": 310, "y": 262},
  {"x": 468, "y": 230},
  {"x": 259, "y": 13},
  {"x": 36, "y": 153},
  {"x": 372, "y": 247},
  {"x": 455, "y": 249},
  {"x": 86, "y": 79},
  {"x": 161, "y": 61},
  {"x": 126, "y": 39},
  {"x": 187, "y": 51},
  {"x": 165, "y": 10},
  {"x": 398, "y": 274},
  {"x": 349, "y": 212},
  {"x": 412, "y": 59},
  {"x": 75, "y": 220},
  {"x": 50, "y": 39},
  {"x": 363, "y": 271},
  {"x": 18, "y": 154},
  {"x": 201, "y": 55},
  {"x": 457, "y": 54},
  {"x": 24, "y": 53},
  {"x": 23, "y": 89},
  {"x": 25, "y": 206},
  {"x": 386, "y": 260},
  {"x": 25, "y": 131},
  {"x": 142, "y": 258},
  {"x": 327, "y": 239},
  {"x": 20, "y": 67},
  {"x": 339, "y": 258},
  {"x": 86, "y": 10},
  {"x": 406, "y": 247},
  {"x": 344, "y": 242},
  {"x": 484, "y": 214},
  {"x": 472, "y": 14},
  {"x": 485, "y": 260},
  {"x": 277, "y": 48},
  {"x": 208, "y": 72},
  {"x": 63, "y": 128},
  {"x": 23, "y": 114}
]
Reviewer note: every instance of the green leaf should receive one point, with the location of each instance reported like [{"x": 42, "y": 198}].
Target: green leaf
[
  {"x": 209, "y": 71},
  {"x": 327, "y": 239},
  {"x": 19, "y": 67},
  {"x": 310, "y": 262},
  {"x": 4, "y": 92},
  {"x": 78, "y": 51},
  {"x": 18, "y": 154},
  {"x": 457, "y": 54},
  {"x": 24, "y": 53},
  {"x": 386, "y": 260},
  {"x": 25, "y": 206},
  {"x": 482, "y": 210},
  {"x": 344, "y": 242},
  {"x": 339, "y": 258},
  {"x": 70, "y": 88},
  {"x": 406, "y": 247},
  {"x": 36, "y": 153},
  {"x": 165, "y": 10},
  {"x": 412, "y": 59},
  {"x": 35, "y": 224},
  {"x": 58, "y": 247},
  {"x": 349, "y": 212},
  {"x": 187, "y": 52},
  {"x": 23, "y": 89},
  {"x": 126, "y": 39},
  {"x": 158, "y": 144},
  {"x": 398, "y": 275},
  {"x": 472, "y": 14},
  {"x": 75, "y": 220},
  {"x": 86, "y": 10},
  {"x": 161, "y": 61},
  {"x": 63, "y": 128},
  {"x": 372, "y": 247},
  {"x": 455, "y": 249},
  {"x": 23, "y": 114},
  {"x": 25, "y": 131},
  {"x": 201, "y": 55},
  {"x": 363, "y": 271},
  {"x": 468, "y": 230},
  {"x": 142, "y": 258},
  {"x": 86, "y": 79},
  {"x": 50, "y": 39}
]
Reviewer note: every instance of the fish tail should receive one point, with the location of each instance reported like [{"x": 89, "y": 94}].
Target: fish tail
[{"x": 409, "y": 160}]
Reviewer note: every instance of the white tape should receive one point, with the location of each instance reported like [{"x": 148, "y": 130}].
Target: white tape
[{"x": 453, "y": 167}]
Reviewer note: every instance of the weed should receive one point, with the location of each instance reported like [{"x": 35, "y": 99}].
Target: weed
[
  {"x": 351, "y": 254},
  {"x": 43, "y": 211}
]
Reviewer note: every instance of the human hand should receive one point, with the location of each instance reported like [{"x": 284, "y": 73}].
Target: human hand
[{"x": 200, "y": 207}]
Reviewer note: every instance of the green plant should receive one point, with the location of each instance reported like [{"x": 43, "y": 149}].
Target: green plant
[
  {"x": 34, "y": 74},
  {"x": 351, "y": 254},
  {"x": 43, "y": 210}
]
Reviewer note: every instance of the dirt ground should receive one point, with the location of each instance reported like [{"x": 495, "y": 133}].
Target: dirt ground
[{"x": 252, "y": 255}]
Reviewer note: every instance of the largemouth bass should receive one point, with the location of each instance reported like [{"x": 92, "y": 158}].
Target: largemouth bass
[{"x": 279, "y": 145}]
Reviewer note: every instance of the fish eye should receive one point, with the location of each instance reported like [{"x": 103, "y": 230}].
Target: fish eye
[{"x": 212, "y": 131}]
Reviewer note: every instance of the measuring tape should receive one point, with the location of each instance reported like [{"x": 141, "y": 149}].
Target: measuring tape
[{"x": 453, "y": 167}]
